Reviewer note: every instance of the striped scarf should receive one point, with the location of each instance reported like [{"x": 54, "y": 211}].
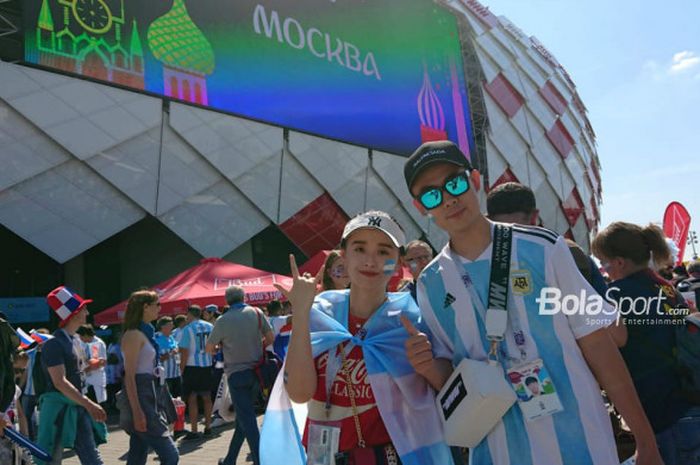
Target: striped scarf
[{"x": 405, "y": 400}]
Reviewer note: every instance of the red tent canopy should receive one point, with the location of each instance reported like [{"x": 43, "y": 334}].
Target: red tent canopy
[
  {"x": 206, "y": 284},
  {"x": 316, "y": 262}
]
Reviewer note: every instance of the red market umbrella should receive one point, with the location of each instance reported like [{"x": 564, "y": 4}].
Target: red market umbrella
[{"x": 206, "y": 284}]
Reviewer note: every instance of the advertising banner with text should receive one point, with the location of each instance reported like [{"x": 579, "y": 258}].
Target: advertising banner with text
[{"x": 385, "y": 74}]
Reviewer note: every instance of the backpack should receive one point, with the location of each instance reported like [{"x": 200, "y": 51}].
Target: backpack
[
  {"x": 9, "y": 342},
  {"x": 38, "y": 375}
]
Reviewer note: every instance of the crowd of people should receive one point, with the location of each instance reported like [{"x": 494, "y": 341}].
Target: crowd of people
[{"x": 369, "y": 363}]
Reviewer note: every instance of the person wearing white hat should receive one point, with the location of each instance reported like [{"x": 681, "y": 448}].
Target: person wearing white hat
[{"x": 346, "y": 360}]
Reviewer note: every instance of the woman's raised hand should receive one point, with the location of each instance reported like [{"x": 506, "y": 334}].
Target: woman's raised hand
[{"x": 301, "y": 294}]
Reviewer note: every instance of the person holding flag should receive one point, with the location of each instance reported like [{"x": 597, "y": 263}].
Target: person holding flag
[
  {"x": 36, "y": 378},
  {"x": 346, "y": 361}
]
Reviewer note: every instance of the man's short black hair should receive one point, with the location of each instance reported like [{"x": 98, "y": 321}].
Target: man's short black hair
[
  {"x": 530, "y": 380},
  {"x": 195, "y": 311},
  {"x": 510, "y": 197},
  {"x": 85, "y": 330},
  {"x": 179, "y": 319},
  {"x": 274, "y": 308},
  {"x": 694, "y": 267}
]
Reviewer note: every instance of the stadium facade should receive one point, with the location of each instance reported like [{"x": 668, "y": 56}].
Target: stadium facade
[{"x": 107, "y": 184}]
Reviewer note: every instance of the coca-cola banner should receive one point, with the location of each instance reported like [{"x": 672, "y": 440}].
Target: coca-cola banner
[{"x": 383, "y": 74}]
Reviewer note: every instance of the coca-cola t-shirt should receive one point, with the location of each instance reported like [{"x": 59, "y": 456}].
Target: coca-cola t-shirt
[{"x": 373, "y": 430}]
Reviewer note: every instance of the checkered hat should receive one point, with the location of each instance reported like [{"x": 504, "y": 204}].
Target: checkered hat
[{"x": 65, "y": 303}]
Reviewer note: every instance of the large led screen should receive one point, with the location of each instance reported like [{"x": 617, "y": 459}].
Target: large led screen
[{"x": 386, "y": 74}]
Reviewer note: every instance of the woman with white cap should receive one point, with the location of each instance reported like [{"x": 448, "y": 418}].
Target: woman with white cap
[{"x": 347, "y": 361}]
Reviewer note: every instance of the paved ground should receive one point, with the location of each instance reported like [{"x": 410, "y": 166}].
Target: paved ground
[{"x": 204, "y": 452}]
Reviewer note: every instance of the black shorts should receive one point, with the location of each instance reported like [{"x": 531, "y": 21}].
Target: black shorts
[
  {"x": 174, "y": 386},
  {"x": 197, "y": 380}
]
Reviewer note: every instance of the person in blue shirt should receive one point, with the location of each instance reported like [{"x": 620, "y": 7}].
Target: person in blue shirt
[
  {"x": 169, "y": 355},
  {"x": 577, "y": 351},
  {"x": 195, "y": 364}
]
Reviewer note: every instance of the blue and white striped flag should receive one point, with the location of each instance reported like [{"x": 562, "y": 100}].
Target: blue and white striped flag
[{"x": 405, "y": 400}]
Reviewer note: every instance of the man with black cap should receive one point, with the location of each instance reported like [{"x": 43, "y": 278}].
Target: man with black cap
[{"x": 456, "y": 289}]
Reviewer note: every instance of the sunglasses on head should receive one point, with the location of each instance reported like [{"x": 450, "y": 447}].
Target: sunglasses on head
[{"x": 458, "y": 184}]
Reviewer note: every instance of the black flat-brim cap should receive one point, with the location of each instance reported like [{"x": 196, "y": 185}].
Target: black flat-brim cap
[{"x": 430, "y": 153}]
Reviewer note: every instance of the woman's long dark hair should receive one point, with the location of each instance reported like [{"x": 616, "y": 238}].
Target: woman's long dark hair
[{"x": 134, "y": 308}]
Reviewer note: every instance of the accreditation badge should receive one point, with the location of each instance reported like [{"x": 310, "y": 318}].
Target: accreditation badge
[
  {"x": 537, "y": 396},
  {"x": 323, "y": 443}
]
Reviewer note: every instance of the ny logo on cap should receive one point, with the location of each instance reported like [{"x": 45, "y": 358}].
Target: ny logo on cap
[{"x": 374, "y": 221}]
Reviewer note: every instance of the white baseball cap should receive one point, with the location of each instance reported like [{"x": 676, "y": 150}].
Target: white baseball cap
[{"x": 376, "y": 220}]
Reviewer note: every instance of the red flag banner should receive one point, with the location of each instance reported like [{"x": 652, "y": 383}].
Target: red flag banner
[{"x": 676, "y": 226}]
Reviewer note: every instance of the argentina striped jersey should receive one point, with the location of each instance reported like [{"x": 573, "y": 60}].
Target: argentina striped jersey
[
  {"x": 194, "y": 339},
  {"x": 166, "y": 345},
  {"x": 581, "y": 433}
]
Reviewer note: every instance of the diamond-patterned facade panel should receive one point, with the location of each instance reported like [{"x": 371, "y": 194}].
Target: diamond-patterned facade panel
[
  {"x": 547, "y": 204},
  {"x": 505, "y": 95},
  {"x": 572, "y": 207},
  {"x": 560, "y": 139},
  {"x": 132, "y": 167},
  {"x": 553, "y": 97},
  {"x": 506, "y": 176},
  {"x": 318, "y": 226},
  {"x": 481, "y": 12},
  {"x": 581, "y": 235},
  {"x": 183, "y": 172},
  {"x": 390, "y": 168},
  {"x": 84, "y": 117},
  {"x": 331, "y": 163},
  {"x": 245, "y": 152},
  {"x": 299, "y": 188},
  {"x": 215, "y": 221},
  {"x": 66, "y": 210},
  {"x": 26, "y": 151},
  {"x": 495, "y": 50},
  {"x": 383, "y": 199}
]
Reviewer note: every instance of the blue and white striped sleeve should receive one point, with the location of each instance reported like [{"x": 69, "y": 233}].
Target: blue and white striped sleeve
[
  {"x": 438, "y": 337},
  {"x": 571, "y": 282}
]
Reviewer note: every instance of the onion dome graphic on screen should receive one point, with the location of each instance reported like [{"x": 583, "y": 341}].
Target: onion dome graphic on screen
[{"x": 186, "y": 54}]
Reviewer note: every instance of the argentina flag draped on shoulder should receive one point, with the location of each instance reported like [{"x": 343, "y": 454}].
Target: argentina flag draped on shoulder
[{"x": 405, "y": 400}]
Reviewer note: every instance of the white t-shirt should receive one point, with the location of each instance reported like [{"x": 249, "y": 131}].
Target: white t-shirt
[{"x": 95, "y": 349}]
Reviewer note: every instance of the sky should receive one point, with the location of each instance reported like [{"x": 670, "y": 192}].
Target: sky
[{"x": 636, "y": 66}]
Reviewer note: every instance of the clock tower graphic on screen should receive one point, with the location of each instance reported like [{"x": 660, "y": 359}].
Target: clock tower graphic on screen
[{"x": 91, "y": 38}]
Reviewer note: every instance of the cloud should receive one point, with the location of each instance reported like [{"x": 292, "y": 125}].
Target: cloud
[{"x": 683, "y": 61}]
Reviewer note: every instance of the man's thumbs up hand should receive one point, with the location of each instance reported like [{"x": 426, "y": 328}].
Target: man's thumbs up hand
[{"x": 418, "y": 348}]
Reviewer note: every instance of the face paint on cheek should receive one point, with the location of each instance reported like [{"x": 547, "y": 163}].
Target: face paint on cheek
[
  {"x": 389, "y": 267},
  {"x": 413, "y": 266}
]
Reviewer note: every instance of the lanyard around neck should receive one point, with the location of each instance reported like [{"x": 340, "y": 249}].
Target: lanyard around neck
[{"x": 496, "y": 312}]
